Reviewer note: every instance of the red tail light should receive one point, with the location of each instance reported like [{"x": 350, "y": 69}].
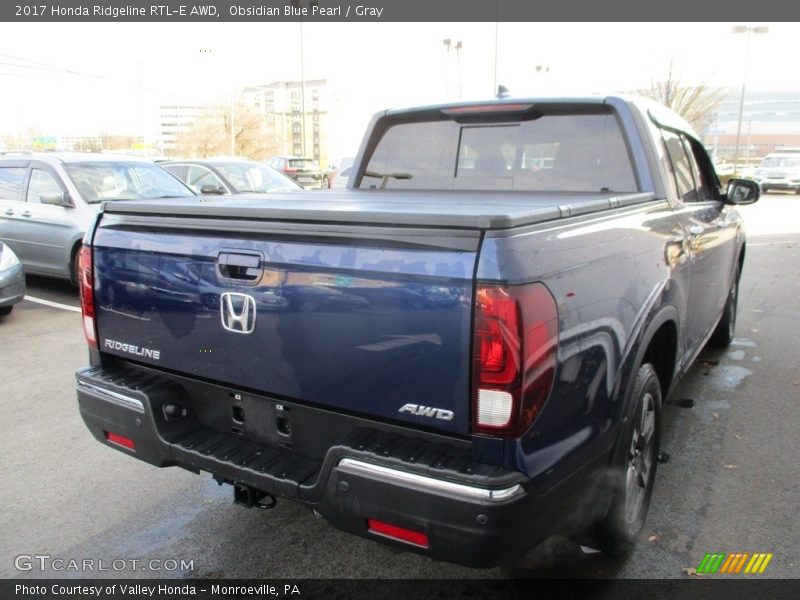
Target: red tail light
[
  {"x": 290, "y": 169},
  {"x": 86, "y": 286},
  {"x": 516, "y": 334}
]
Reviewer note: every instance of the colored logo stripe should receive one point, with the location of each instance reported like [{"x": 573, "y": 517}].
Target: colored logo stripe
[{"x": 720, "y": 562}]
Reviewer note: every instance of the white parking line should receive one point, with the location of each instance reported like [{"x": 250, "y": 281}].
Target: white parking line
[
  {"x": 53, "y": 304},
  {"x": 770, "y": 243}
]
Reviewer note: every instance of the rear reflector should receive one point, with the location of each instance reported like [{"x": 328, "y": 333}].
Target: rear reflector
[
  {"x": 119, "y": 440},
  {"x": 400, "y": 534}
]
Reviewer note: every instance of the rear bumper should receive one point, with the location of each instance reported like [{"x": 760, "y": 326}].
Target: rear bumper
[{"x": 471, "y": 514}]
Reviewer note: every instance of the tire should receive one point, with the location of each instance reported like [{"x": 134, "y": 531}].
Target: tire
[
  {"x": 723, "y": 334},
  {"x": 6, "y": 310},
  {"x": 633, "y": 478},
  {"x": 74, "y": 267}
]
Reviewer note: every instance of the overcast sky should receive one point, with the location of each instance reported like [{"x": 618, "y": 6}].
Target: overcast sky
[{"x": 82, "y": 77}]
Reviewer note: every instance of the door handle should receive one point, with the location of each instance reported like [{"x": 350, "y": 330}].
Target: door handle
[
  {"x": 9, "y": 212},
  {"x": 27, "y": 213},
  {"x": 696, "y": 229}
]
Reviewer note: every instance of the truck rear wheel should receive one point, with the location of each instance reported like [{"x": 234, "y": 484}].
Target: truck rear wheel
[
  {"x": 634, "y": 477},
  {"x": 726, "y": 328}
]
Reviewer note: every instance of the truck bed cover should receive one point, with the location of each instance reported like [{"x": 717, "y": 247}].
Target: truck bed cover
[{"x": 449, "y": 209}]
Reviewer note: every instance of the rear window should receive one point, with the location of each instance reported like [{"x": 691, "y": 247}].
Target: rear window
[
  {"x": 301, "y": 163},
  {"x": 554, "y": 152}
]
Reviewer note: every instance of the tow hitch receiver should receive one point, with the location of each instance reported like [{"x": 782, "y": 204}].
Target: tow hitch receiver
[{"x": 250, "y": 497}]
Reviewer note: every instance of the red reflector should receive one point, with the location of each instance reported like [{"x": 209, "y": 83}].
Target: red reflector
[
  {"x": 398, "y": 533},
  {"x": 119, "y": 440}
]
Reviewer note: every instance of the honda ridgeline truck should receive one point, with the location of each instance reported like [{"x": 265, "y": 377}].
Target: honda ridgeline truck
[{"x": 462, "y": 353}]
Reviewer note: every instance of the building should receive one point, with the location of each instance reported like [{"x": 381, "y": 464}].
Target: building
[
  {"x": 770, "y": 122},
  {"x": 296, "y": 115},
  {"x": 174, "y": 118}
]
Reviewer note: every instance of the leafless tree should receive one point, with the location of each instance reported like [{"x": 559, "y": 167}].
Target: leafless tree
[
  {"x": 698, "y": 104},
  {"x": 210, "y": 133}
]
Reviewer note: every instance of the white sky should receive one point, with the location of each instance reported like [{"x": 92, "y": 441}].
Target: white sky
[{"x": 129, "y": 68}]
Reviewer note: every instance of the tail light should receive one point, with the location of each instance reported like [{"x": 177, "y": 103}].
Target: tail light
[
  {"x": 86, "y": 286},
  {"x": 514, "y": 348},
  {"x": 290, "y": 169}
]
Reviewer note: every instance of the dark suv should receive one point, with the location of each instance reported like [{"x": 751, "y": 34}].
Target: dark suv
[{"x": 305, "y": 171}]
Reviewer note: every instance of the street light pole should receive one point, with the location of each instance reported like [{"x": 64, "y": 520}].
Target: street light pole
[
  {"x": 459, "y": 46},
  {"x": 748, "y": 31},
  {"x": 447, "y": 43}
]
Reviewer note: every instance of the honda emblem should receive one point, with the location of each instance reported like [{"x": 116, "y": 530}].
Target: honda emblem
[{"x": 238, "y": 312}]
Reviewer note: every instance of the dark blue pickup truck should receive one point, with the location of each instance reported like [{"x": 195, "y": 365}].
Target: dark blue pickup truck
[{"x": 461, "y": 354}]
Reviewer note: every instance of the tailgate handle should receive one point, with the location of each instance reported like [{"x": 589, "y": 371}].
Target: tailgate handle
[{"x": 240, "y": 267}]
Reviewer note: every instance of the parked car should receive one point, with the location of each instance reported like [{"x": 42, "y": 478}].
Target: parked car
[
  {"x": 229, "y": 176},
  {"x": 12, "y": 280},
  {"x": 336, "y": 171},
  {"x": 779, "y": 171},
  {"x": 48, "y": 200},
  {"x": 304, "y": 171}
]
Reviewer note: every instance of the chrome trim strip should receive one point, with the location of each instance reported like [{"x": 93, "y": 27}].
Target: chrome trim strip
[
  {"x": 357, "y": 467},
  {"x": 113, "y": 397}
]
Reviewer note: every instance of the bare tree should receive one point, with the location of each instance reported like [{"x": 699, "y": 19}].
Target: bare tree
[
  {"x": 697, "y": 104},
  {"x": 210, "y": 133}
]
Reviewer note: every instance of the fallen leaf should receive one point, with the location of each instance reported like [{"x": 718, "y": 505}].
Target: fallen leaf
[
  {"x": 730, "y": 466},
  {"x": 691, "y": 571},
  {"x": 715, "y": 415},
  {"x": 737, "y": 436},
  {"x": 652, "y": 538},
  {"x": 663, "y": 457}
]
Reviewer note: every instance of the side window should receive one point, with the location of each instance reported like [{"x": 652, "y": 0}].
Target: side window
[
  {"x": 681, "y": 167},
  {"x": 197, "y": 177},
  {"x": 704, "y": 175},
  {"x": 12, "y": 180},
  {"x": 42, "y": 184}
]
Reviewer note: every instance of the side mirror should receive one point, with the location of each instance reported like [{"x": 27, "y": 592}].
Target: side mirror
[
  {"x": 210, "y": 189},
  {"x": 55, "y": 199},
  {"x": 742, "y": 191}
]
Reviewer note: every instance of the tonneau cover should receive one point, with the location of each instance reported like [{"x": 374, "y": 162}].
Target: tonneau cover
[{"x": 480, "y": 210}]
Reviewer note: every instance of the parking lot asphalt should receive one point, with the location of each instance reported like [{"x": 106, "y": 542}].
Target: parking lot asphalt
[{"x": 730, "y": 484}]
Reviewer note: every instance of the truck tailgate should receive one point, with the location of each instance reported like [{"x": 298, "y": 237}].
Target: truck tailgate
[{"x": 364, "y": 320}]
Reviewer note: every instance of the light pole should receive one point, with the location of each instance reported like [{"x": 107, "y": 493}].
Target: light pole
[
  {"x": 747, "y": 31},
  {"x": 457, "y": 46},
  {"x": 447, "y": 43}
]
